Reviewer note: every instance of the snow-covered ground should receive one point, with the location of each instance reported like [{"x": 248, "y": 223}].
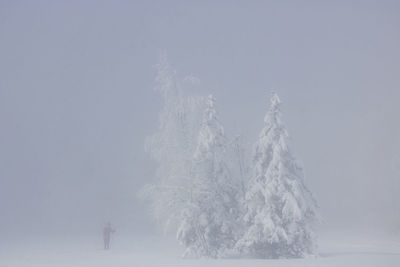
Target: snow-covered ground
[{"x": 149, "y": 252}]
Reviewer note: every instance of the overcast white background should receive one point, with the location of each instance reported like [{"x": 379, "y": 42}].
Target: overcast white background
[{"x": 77, "y": 101}]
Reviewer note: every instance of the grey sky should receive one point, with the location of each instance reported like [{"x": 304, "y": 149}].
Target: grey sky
[{"x": 77, "y": 100}]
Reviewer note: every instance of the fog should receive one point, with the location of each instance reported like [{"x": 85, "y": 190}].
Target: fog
[{"x": 77, "y": 101}]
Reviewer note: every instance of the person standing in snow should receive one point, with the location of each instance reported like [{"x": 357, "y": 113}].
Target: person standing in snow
[{"x": 107, "y": 235}]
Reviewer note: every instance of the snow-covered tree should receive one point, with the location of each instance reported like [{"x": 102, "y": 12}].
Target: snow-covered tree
[
  {"x": 209, "y": 221},
  {"x": 172, "y": 145},
  {"x": 239, "y": 165},
  {"x": 280, "y": 210}
]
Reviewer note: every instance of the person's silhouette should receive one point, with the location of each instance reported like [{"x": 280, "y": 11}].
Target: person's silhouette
[{"x": 107, "y": 235}]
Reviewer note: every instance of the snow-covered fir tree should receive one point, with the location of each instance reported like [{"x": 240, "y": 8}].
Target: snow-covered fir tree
[
  {"x": 280, "y": 210},
  {"x": 209, "y": 221},
  {"x": 172, "y": 146}
]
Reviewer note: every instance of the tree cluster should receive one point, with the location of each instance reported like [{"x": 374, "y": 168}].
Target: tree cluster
[{"x": 222, "y": 203}]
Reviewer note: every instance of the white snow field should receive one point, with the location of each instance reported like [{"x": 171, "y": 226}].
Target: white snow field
[{"x": 149, "y": 252}]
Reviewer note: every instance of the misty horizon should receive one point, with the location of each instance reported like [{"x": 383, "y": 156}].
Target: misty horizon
[{"x": 78, "y": 100}]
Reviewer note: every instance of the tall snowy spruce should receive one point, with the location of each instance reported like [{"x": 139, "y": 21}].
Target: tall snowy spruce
[
  {"x": 209, "y": 221},
  {"x": 280, "y": 210}
]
